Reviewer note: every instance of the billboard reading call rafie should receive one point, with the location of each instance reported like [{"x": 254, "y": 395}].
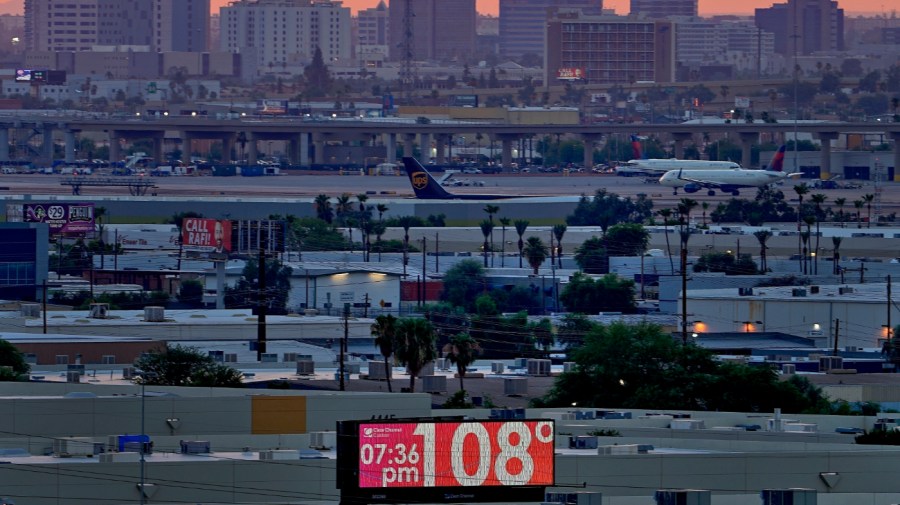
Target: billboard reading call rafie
[{"x": 471, "y": 459}]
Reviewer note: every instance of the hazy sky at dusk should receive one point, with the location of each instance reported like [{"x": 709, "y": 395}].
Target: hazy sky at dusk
[{"x": 621, "y": 6}]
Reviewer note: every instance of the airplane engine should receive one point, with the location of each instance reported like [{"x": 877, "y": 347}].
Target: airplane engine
[{"x": 691, "y": 187}]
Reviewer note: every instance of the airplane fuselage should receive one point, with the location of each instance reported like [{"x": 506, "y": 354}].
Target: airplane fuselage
[
  {"x": 661, "y": 166},
  {"x": 724, "y": 180}
]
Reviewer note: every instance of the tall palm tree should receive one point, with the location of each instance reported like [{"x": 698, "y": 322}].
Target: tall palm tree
[
  {"x": 504, "y": 222},
  {"x": 362, "y": 198},
  {"x": 344, "y": 210},
  {"x": 840, "y": 202},
  {"x": 836, "y": 242},
  {"x": 324, "y": 211},
  {"x": 521, "y": 225},
  {"x": 99, "y": 214},
  {"x": 414, "y": 346},
  {"x": 378, "y": 228},
  {"x": 487, "y": 228},
  {"x": 536, "y": 252},
  {"x": 705, "y": 207},
  {"x": 800, "y": 189},
  {"x": 859, "y": 205},
  {"x": 763, "y": 236},
  {"x": 381, "y": 208},
  {"x": 808, "y": 220},
  {"x": 666, "y": 214},
  {"x": 491, "y": 210},
  {"x": 462, "y": 351},
  {"x": 385, "y": 332},
  {"x": 558, "y": 231},
  {"x": 868, "y": 199},
  {"x": 818, "y": 199}
]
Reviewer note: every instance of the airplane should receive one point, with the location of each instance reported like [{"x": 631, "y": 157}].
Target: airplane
[
  {"x": 426, "y": 188},
  {"x": 727, "y": 181},
  {"x": 659, "y": 166}
]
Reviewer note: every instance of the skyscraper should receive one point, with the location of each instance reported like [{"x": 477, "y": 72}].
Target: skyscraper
[
  {"x": 664, "y": 8},
  {"x": 523, "y": 22},
  {"x": 441, "y": 29},
  {"x": 817, "y": 24}
]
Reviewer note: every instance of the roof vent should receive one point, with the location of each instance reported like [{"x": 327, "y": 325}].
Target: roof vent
[
  {"x": 154, "y": 314},
  {"x": 99, "y": 311}
]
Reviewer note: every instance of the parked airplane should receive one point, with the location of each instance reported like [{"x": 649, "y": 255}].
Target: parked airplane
[
  {"x": 426, "y": 188},
  {"x": 659, "y": 166},
  {"x": 727, "y": 181}
]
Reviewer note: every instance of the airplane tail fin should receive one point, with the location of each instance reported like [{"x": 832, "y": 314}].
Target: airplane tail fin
[
  {"x": 636, "y": 147},
  {"x": 777, "y": 163},
  {"x": 422, "y": 182}
]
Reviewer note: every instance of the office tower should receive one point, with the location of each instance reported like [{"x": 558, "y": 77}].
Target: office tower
[
  {"x": 664, "y": 8},
  {"x": 279, "y": 33},
  {"x": 803, "y": 27},
  {"x": 523, "y": 22},
  {"x": 372, "y": 35},
  {"x": 181, "y": 25},
  {"x": 609, "y": 49},
  {"x": 441, "y": 29}
]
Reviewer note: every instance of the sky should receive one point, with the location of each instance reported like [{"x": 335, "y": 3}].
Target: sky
[{"x": 621, "y": 6}]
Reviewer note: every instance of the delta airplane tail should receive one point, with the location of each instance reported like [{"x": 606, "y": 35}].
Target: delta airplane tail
[
  {"x": 423, "y": 183},
  {"x": 777, "y": 163},
  {"x": 636, "y": 148}
]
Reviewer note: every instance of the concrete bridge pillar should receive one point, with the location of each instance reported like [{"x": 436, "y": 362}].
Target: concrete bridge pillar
[
  {"x": 678, "y": 139},
  {"x": 252, "y": 152},
  {"x": 302, "y": 145},
  {"x": 318, "y": 149},
  {"x": 825, "y": 163},
  {"x": 158, "y": 155},
  {"x": 589, "y": 140},
  {"x": 747, "y": 141},
  {"x": 4, "y": 143},
  {"x": 70, "y": 146},
  {"x": 409, "y": 146},
  {"x": 187, "y": 151},
  {"x": 440, "y": 143},
  {"x": 228, "y": 142},
  {"x": 47, "y": 145},
  {"x": 506, "y": 158},
  {"x": 115, "y": 151},
  {"x": 425, "y": 147},
  {"x": 391, "y": 148}
]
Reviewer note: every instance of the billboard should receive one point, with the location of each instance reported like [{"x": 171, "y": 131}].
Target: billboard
[
  {"x": 207, "y": 235},
  {"x": 445, "y": 460},
  {"x": 23, "y": 75},
  {"x": 570, "y": 74},
  {"x": 267, "y": 106},
  {"x": 63, "y": 218},
  {"x": 250, "y": 236}
]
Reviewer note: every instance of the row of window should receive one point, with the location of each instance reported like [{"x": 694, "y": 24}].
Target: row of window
[{"x": 16, "y": 274}]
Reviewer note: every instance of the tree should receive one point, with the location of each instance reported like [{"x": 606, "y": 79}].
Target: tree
[
  {"x": 666, "y": 214},
  {"x": 462, "y": 350},
  {"x": 607, "y": 209},
  {"x": 859, "y": 205},
  {"x": 627, "y": 239},
  {"x": 504, "y": 222},
  {"x": 726, "y": 263},
  {"x": 462, "y": 284},
  {"x": 406, "y": 222},
  {"x": 12, "y": 362},
  {"x": 840, "y": 202},
  {"x": 851, "y": 67},
  {"x": 491, "y": 210},
  {"x": 800, "y": 189},
  {"x": 592, "y": 256},
  {"x": 870, "y": 81},
  {"x": 317, "y": 76},
  {"x": 535, "y": 252},
  {"x": 381, "y": 209},
  {"x": 487, "y": 228},
  {"x": 191, "y": 293},
  {"x": 185, "y": 366},
  {"x": 414, "y": 346},
  {"x": 558, "y": 231},
  {"x": 836, "y": 259},
  {"x": 588, "y": 296},
  {"x": 245, "y": 294},
  {"x": 521, "y": 225},
  {"x": 763, "y": 236},
  {"x": 385, "y": 332},
  {"x": 869, "y": 198}
]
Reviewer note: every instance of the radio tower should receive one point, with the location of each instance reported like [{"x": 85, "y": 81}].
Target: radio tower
[{"x": 407, "y": 77}]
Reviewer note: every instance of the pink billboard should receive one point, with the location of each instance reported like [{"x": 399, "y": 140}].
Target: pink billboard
[
  {"x": 206, "y": 234},
  {"x": 63, "y": 218}
]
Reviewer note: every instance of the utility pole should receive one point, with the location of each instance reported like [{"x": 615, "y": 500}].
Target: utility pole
[
  {"x": 837, "y": 327},
  {"x": 261, "y": 304},
  {"x": 437, "y": 253},
  {"x": 341, "y": 385},
  {"x": 889, "y": 327},
  {"x": 44, "y": 306},
  {"x": 684, "y": 253}
]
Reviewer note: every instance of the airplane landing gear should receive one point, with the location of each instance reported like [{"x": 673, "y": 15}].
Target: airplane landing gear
[{"x": 711, "y": 193}]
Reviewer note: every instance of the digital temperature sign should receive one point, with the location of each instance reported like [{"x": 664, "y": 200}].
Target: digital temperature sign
[{"x": 447, "y": 459}]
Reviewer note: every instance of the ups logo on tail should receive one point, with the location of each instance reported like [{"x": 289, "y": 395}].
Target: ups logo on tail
[{"x": 419, "y": 180}]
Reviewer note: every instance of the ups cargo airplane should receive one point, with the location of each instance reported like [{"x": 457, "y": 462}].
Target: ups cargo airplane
[{"x": 426, "y": 188}]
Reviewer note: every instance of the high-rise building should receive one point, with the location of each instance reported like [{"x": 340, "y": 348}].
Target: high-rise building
[
  {"x": 79, "y": 25},
  {"x": 704, "y": 41},
  {"x": 803, "y": 27},
  {"x": 440, "y": 29},
  {"x": 523, "y": 22},
  {"x": 664, "y": 8},
  {"x": 372, "y": 35},
  {"x": 283, "y": 33},
  {"x": 609, "y": 49}
]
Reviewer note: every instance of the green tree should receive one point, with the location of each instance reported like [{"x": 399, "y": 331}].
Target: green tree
[
  {"x": 245, "y": 294},
  {"x": 462, "y": 350},
  {"x": 12, "y": 362},
  {"x": 191, "y": 293},
  {"x": 592, "y": 256},
  {"x": 317, "y": 76},
  {"x": 384, "y": 329},
  {"x": 558, "y": 231},
  {"x": 606, "y": 209},
  {"x": 535, "y": 252},
  {"x": 627, "y": 239},
  {"x": 609, "y": 293},
  {"x": 414, "y": 346},
  {"x": 868, "y": 198},
  {"x": 726, "y": 263},
  {"x": 487, "y": 229},
  {"x": 763, "y": 236},
  {"x": 185, "y": 366},
  {"x": 324, "y": 211},
  {"x": 462, "y": 284}
]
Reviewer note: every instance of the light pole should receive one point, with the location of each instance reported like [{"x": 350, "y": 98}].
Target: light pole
[{"x": 143, "y": 444}]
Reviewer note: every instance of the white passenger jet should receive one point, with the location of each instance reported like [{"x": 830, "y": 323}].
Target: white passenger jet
[
  {"x": 727, "y": 181},
  {"x": 659, "y": 166}
]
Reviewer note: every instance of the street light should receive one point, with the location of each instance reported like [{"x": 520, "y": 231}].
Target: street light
[{"x": 143, "y": 444}]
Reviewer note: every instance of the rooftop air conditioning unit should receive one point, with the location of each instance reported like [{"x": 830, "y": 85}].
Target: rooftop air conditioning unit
[
  {"x": 569, "y": 366},
  {"x": 289, "y": 357},
  {"x": 582, "y": 498},
  {"x": 610, "y": 450},
  {"x": 845, "y": 290},
  {"x": 829, "y": 363},
  {"x": 322, "y": 439},
  {"x": 520, "y": 363},
  {"x": 814, "y": 290},
  {"x": 108, "y": 359},
  {"x": 231, "y": 357},
  {"x": 789, "y": 496},
  {"x": 683, "y": 497},
  {"x": 788, "y": 369},
  {"x": 74, "y": 446},
  {"x": 583, "y": 442},
  {"x": 155, "y": 314},
  {"x": 30, "y": 310},
  {"x": 128, "y": 373},
  {"x": 120, "y": 457},
  {"x": 442, "y": 364},
  {"x": 279, "y": 455},
  {"x": 687, "y": 424},
  {"x": 306, "y": 367},
  {"x": 515, "y": 386},
  {"x": 745, "y": 291},
  {"x": 798, "y": 292},
  {"x": 99, "y": 311},
  {"x": 195, "y": 447},
  {"x": 73, "y": 376},
  {"x": 801, "y": 428},
  {"x": 428, "y": 369},
  {"x": 539, "y": 367},
  {"x": 498, "y": 367},
  {"x": 379, "y": 371},
  {"x": 353, "y": 367},
  {"x": 434, "y": 383}
]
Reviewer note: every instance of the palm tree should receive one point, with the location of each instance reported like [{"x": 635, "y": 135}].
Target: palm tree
[
  {"x": 868, "y": 199},
  {"x": 763, "y": 236},
  {"x": 381, "y": 208},
  {"x": 323, "y": 208},
  {"x": 840, "y": 202},
  {"x": 558, "y": 231},
  {"x": 800, "y": 189},
  {"x": 836, "y": 242},
  {"x": 487, "y": 228},
  {"x": 818, "y": 199},
  {"x": 462, "y": 351},
  {"x": 491, "y": 210},
  {"x": 521, "y": 225},
  {"x": 859, "y": 205},
  {"x": 809, "y": 220},
  {"x": 378, "y": 228},
  {"x": 344, "y": 209},
  {"x": 705, "y": 206},
  {"x": 363, "y": 219},
  {"x": 99, "y": 214},
  {"x": 385, "y": 332},
  {"x": 536, "y": 252},
  {"x": 414, "y": 346},
  {"x": 406, "y": 222},
  {"x": 666, "y": 214},
  {"x": 504, "y": 222}
]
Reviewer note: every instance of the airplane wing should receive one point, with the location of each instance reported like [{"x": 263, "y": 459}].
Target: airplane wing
[{"x": 708, "y": 184}]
